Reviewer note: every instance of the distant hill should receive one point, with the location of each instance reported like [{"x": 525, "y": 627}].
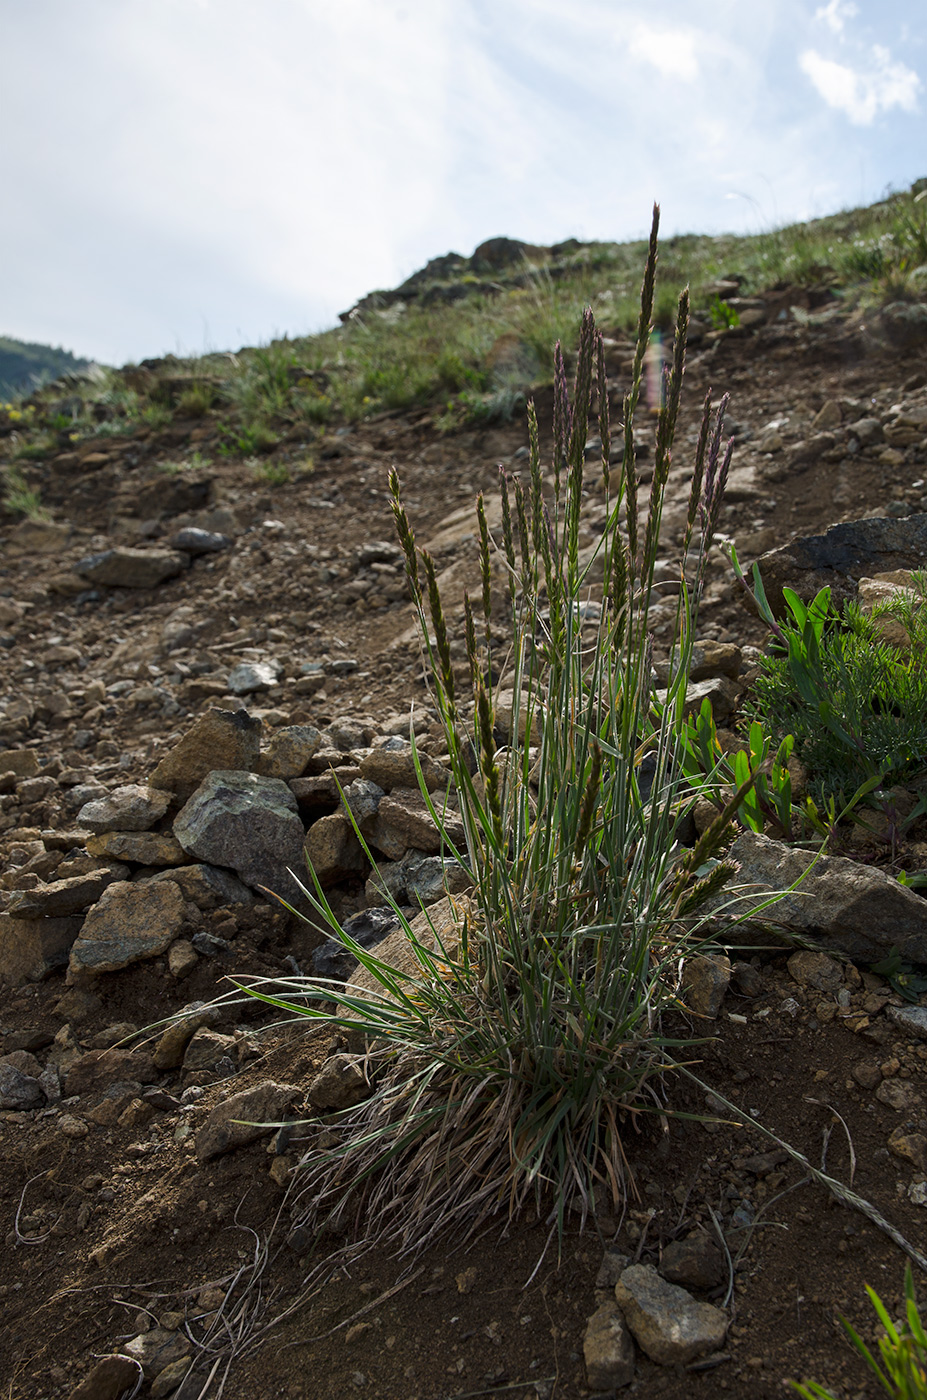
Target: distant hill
[{"x": 24, "y": 366}]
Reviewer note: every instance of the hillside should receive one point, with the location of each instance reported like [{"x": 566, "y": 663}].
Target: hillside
[
  {"x": 25, "y": 366},
  {"x": 200, "y": 576}
]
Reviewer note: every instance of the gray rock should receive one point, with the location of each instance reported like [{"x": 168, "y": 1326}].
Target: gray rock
[
  {"x": 206, "y": 886},
  {"x": 31, "y": 949},
  {"x": 244, "y": 1117},
  {"x": 841, "y": 556},
  {"x": 129, "y": 923},
  {"x": 608, "y": 1350},
  {"x": 220, "y": 740},
  {"x": 856, "y": 910},
  {"x": 62, "y": 898},
  {"x": 248, "y": 823},
  {"x": 705, "y": 981},
  {"x": 340, "y": 1083},
  {"x": 157, "y": 1349},
  {"x": 251, "y": 676},
  {"x": 911, "y": 1019},
  {"x": 132, "y": 568},
  {"x": 195, "y": 541},
  {"x": 867, "y": 431},
  {"x": 362, "y": 798},
  {"x": 904, "y": 324},
  {"x": 81, "y": 794},
  {"x": 810, "y": 449},
  {"x": 667, "y": 1322},
  {"x": 289, "y": 750},
  {"x": 694, "y": 1263},
  {"x": 416, "y": 879},
  {"x": 130, "y": 808},
  {"x": 334, "y": 962},
  {"x": 209, "y": 945},
  {"x": 18, "y": 1090},
  {"x": 333, "y": 850}
]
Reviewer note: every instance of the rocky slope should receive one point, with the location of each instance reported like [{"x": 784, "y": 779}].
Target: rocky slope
[{"x": 192, "y": 655}]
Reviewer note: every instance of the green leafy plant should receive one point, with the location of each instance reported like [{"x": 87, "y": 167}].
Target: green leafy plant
[
  {"x": 855, "y": 703},
  {"x": 508, "y": 1063},
  {"x": 902, "y": 1352},
  {"x": 723, "y": 316},
  {"x": 764, "y": 776},
  {"x": 901, "y": 976}
]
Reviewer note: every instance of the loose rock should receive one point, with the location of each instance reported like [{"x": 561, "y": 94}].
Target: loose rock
[
  {"x": 130, "y": 922},
  {"x": 246, "y": 822},
  {"x": 219, "y": 740},
  {"x": 608, "y": 1350},
  {"x": 244, "y": 1117},
  {"x": 667, "y": 1322}
]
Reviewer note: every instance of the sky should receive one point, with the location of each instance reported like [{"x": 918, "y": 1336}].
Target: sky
[{"x": 192, "y": 175}]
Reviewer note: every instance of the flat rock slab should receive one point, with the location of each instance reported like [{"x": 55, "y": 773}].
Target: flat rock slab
[
  {"x": 841, "y": 556},
  {"x": 220, "y": 740},
  {"x": 251, "y": 676},
  {"x": 667, "y": 1322},
  {"x": 132, "y": 568},
  {"x": 31, "y": 949},
  {"x": 854, "y": 909},
  {"x": 62, "y": 898},
  {"x": 249, "y": 824},
  {"x": 139, "y": 847},
  {"x": 129, "y": 808},
  {"x": 22, "y": 763},
  {"x": 193, "y": 540},
  {"x": 244, "y": 1117},
  {"x": 129, "y": 923}
]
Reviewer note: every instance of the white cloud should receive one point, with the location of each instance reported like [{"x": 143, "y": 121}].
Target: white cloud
[
  {"x": 862, "y": 95},
  {"x": 671, "y": 51},
  {"x": 834, "y": 13}
]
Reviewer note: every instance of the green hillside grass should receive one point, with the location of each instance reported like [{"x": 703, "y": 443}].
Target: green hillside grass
[{"x": 466, "y": 338}]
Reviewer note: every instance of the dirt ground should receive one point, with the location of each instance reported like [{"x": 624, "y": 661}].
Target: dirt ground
[{"x": 112, "y": 1227}]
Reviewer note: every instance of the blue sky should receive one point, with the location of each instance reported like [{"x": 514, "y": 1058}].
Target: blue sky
[{"x": 182, "y": 175}]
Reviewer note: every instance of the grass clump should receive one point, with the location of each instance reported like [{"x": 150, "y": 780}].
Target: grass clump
[
  {"x": 19, "y": 498},
  {"x": 902, "y": 1351},
  {"x": 510, "y": 1064}
]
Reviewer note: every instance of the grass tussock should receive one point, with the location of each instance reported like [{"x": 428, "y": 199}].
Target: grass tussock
[{"x": 509, "y": 1066}]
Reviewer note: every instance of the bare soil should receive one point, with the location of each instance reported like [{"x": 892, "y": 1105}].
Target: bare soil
[{"x": 107, "y": 1232}]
